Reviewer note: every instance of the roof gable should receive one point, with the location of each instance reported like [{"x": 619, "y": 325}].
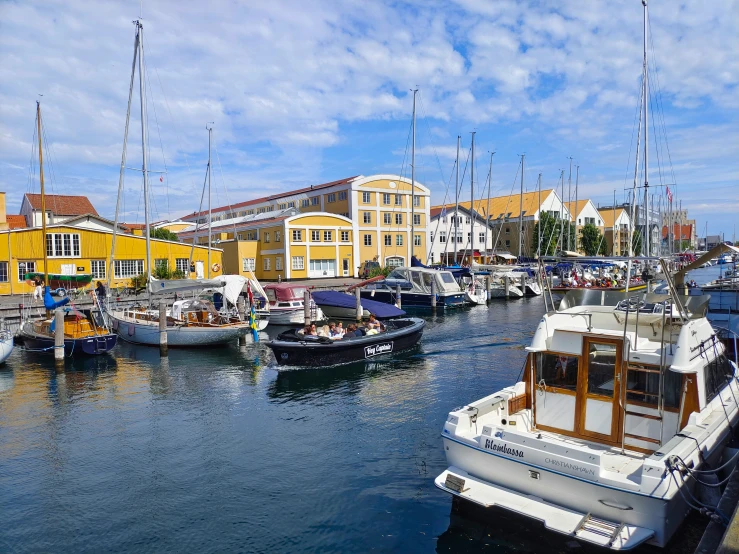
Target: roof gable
[{"x": 61, "y": 204}]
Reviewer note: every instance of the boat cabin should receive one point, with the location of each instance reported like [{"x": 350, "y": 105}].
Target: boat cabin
[
  {"x": 420, "y": 280},
  {"x": 285, "y": 295}
]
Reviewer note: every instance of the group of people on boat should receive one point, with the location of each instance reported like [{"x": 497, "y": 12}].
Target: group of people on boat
[
  {"x": 336, "y": 331},
  {"x": 616, "y": 280}
]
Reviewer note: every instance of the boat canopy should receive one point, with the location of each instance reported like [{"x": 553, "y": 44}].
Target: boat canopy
[
  {"x": 421, "y": 279},
  {"x": 343, "y": 300},
  {"x": 228, "y": 285},
  {"x": 284, "y": 292},
  {"x": 79, "y": 279}
]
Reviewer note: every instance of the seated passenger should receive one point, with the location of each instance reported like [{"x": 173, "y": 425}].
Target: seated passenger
[
  {"x": 312, "y": 330},
  {"x": 324, "y": 331},
  {"x": 340, "y": 329},
  {"x": 360, "y": 331},
  {"x": 373, "y": 323},
  {"x": 333, "y": 331}
]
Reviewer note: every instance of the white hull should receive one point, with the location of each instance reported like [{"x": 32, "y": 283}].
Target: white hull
[
  {"x": 479, "y": 299},
  {"x": 6, "y": 348},
  {"x": 533, "y": 288},
  {"x": 293, "y": 316},
  {"x": 498, "y": 291},
  {"x": 144, "y": 332}
]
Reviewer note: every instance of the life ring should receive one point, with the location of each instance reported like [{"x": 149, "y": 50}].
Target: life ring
[{"x": 216, "y": 267}]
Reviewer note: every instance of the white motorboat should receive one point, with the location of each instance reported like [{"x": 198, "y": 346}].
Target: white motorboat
[
  {"x": 498, "y": 285},
  {"x": 473, "y": 286},
  {"x": 286, "y": 304},
  {"x": 6, "y": 345},
  {"x": 619, "y": 401}
]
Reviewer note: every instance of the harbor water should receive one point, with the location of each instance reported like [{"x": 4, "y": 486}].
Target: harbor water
[{"x": 215, "y": 450}]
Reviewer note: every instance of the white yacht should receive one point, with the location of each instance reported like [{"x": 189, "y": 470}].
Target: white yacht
[{"x": 620, "y": 403}]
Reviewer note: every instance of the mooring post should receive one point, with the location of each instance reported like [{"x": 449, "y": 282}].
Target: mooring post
[
  {"x": 163, "y": 348},
  {"x": 487, "y": 288},
  {"x": 306, "y": 308},
  {"x": 398, "y": 301},
  {"x": 59, "y": 337},
  {"x": 358, "y": 304},
  {"x": 507, "y": 286},
  {"x": 433, "y": 294},
  {"x": 241, "y": 307}
]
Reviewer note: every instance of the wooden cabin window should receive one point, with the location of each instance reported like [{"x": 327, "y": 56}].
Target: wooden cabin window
[
  {"x": 642, "y": 385},
  {"x": 717, "y": 373},
  {"x": 601, "y": 368},
  {"x": 557, "y": 370}
]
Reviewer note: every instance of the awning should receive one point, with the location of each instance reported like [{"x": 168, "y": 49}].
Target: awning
[
  {"x": 343, "y": 300},
  {"x": 505, "y": 256}
]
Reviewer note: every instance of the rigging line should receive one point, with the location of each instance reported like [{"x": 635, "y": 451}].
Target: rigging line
[
  {"x": 225, "y": 188},
  {"x": 435, "y": 234},
  {"x": 505, "y": 212},
  {"x": 152, "y": 197},
  {"x": 31, "y": 162},
  {"x": 633, "y": 130},
  {"x": 195, "y": 235},
  {"x": 472, "y": 218},
  {"x": 657, "y": 145},
  {"x": 50, "y": 166}
]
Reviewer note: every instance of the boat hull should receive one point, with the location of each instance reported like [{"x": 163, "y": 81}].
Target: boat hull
[
  {"x": 6, "y": 348},
  {"x": 311, "y": 353},
  {"x": 295, "y": 316},
  {"x": 499, "y": 292},
  {"x": 88, "y": 346},
  {"x": 413, "y": 300},
  {"x": 177, "y": 336}
]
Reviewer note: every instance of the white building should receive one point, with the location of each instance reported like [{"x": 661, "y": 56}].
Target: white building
[{"x": 443, "y": 232}]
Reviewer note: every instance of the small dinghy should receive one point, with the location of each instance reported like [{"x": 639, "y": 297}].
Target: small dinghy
[{"x": 295, "y": 349}]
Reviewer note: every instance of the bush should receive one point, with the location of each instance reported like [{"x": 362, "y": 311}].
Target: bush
[{"x": 375, "y": 271}]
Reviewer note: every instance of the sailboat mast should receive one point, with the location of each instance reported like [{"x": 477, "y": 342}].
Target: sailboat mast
[
  {"x": 577, "y": 182},
  {"x": 210, "y": 228},
  {"x": 487, "y": 209},
  {"x": 43, "y": 193},
  {"x": 520, "y": 213},
  {"x": 538, "y": 248},
  {"x": 472, "y": 200},
  {"x": 413, "y": 182},
  {"x": 142, "y": 93},
  {"x": 646, "y": 135},
  {"x": 456, "y": 203},
  {"x": 569, "y": 201}
]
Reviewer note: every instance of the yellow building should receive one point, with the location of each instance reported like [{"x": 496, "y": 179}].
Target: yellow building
[{"x": 378, "y": 209}]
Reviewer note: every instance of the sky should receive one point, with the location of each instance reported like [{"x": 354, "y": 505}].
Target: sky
[{"x": 306, "y": 92}]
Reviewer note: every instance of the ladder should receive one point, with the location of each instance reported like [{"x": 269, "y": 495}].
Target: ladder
[{"x": 609, "y": 530}]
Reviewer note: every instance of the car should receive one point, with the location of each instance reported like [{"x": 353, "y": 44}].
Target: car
[{"x": 366, "y": 268}]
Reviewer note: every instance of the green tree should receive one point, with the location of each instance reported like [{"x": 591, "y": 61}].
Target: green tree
[
  {"x": 164, "y": 234},
  {"x": 375, "y": 271},
  {"x": 592, "y": 241},
  {"x": 551, "y": 228},
  {"x": 685, "y": 245}
]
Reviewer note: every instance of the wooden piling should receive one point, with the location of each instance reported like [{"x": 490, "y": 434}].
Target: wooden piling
[
  {"x": 306, "y": 308},
  {"x": 358, "y": 299},
  {"x": 507, "y": 286},
  {"x": 398, "y": 301},
  {"x": 433, "y": 295},
  {"x": 163, "y": 347},
  {"x": 487, "y": 289},
  {"x": 59, "y": 338}
]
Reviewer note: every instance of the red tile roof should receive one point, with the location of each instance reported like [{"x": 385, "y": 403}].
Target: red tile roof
[
  {"x": 680, "y": 232},
  {"x": 273, "y": 197},
  {"x": 16, "y": 221},
  {"x": 61, "y": 204},
  {"x": 128, "y": 227}
]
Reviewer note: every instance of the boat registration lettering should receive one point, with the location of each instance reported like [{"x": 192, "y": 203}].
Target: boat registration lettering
[
  {"x": 490, "y": 444},
  {"x": 569, "y": 467},
  {"x": 377, "y": 349}
]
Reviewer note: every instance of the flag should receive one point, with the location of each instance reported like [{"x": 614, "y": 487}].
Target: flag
[
  {"x": 669, "y": 194},
  {"x": 161, "y": 179},
  {"x": 249, "y": 293}
]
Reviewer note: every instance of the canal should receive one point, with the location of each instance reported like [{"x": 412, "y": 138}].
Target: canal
[{"x": 217, "y": 450}]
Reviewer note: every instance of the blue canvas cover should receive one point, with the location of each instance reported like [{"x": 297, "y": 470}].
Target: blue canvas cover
[{"x": 343, "y": 300}]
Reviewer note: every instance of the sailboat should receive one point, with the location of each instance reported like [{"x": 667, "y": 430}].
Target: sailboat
[
  {"x": 84, "y": 333},
  {"x": 190, "y": 322}
]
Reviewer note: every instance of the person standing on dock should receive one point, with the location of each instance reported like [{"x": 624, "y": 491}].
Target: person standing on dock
[{"x": 38, "y": 291}]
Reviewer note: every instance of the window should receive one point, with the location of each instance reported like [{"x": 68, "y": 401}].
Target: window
[
  {"x": 557, "y": 370},
  {"x": 368, "y": 240},
  {"x": 327, "y": 236},
  {"x": 398, "y": 219},
  {"x": 315, "y": 236},
  {"x": 297, "y": 235},
  {"x": 331, "y": 197},
  {"x": 298, "y": 262},
  {"x": 128, "y": 268},
  {"x": 416, "y": 219},
  {"x": 395, "y": 261},
  {"x": 278, "y": 236},
  {"x": 25, "y": 267},
  {"x": 398, "y": 240},
  {"x": 387, "y": 218},
  {"x": 386, "y": 198},
  {"x": 643, "y": 385},
  {"x": 366, "y": 197},
  {"x": 482, "y": 237},
  {"x": 442, "y": 236},
  {"x": 281, "y": 206},
  {"x": 97, "y": 268},
  {"x": 469, "y": 237},
  {"x": 342, "y": 195},
  {"x": 416, "y": 240},
  {"x": 367, "y": 217},
  {"x": 182, "y": 265},
  {"x": 508, "y": 244},
  {"x": 278, "y": 263},
  {"x": 388, "y": 240},
  {"x": 291, "y": 204},
  {"x": 417, "y": 201},
  {"x": 345, "y": 236},
  {"x": 315, "y": 201},
  {"x": 717, "y": 375},
  {"x": 467, "y": 220},
  {"x": 305, "y": 203},
  {"x": 266, "y": 236},
  {"x": 63, "y": 245},
  {"x": 267, "y": 264},
  {"x": 507, "y": 230},
  {"x": 248, "y": 264},
  {"x": 398, "y": 200}
]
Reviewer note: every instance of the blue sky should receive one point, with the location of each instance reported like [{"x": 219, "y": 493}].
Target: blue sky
[{"x": 306, "y": 92}]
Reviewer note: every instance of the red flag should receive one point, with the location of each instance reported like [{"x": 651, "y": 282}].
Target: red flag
[
  {"x": 161, "y": 179},
  {"x": 249, "y": 293},
  {"x": 669, "y": 194}
]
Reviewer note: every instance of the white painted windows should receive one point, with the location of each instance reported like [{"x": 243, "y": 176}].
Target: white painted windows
[
  {"x": 481, "y": 236},
  {"x": 267, "y": 264},
  {"x": 387, "y": 218},
  {"x": 398, "y": 219},
  {"x": 394, "y": 261},
  {"x": 278, "y": 236},
  {"x": 368, "y": 240},
  {"x": 342, "y": 195},
  {"x": 304, "y": 203},
  {"x": 345, "y": 236},
  {"x": 416, "y": 240},
  {"x": 315, "y": 200},
  {"x": 248, "y": 264},
  {"x": 315, "y": 236},
  {"x": 97, "y": 269},
  {"x": 63, "y": 245},
  {"x": 281, "y": 206},
  {"x": 467, "y": 220},
  {"x": 278, "y": 263},
  {"x": 297, "y": 235},
  {"x": 128, "y": 268},
  {"x": 416, "y": 219},
  {"x": 388, "y": 240},
  {"x": 291, "y": 204},
  {"x": 417, "y": 201},
  {"x": 386, "y": 198},
  {"x": 182, "y": 265},
  {"x": 266, "y": 236},
  {"x": 331, "y": 197},
  {"x": 3, "y": 272},
  {"x": 25, "y": 267},
  {"x": 366, "y": 197},
  {"x": 367, "y": 217},
  {"x": 398, "y": 240},
  {"x": 398, "y": 200},
  {"x": 442, "y": 236},
  {"x": 298, "y": 262},
  {"x": 327, "y": 236}
]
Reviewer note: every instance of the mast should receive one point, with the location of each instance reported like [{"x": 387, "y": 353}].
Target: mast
[
  {"x": 210, "y": 228},
  {"x": 577, "y": 182},
  {"x": 143, "y": 156},
  {"x": 613, "y": 246},
  {"x": 123, "y": 158},
  {"x": 413, "y": 181},
  {"x": 538, "y": 186},
  {"x": 43, "y": 194},
  {"x": 520, "y": 213},
  {"x": 646, "y": 134},
  {"x": 569, "y": 202},
  {"x": 487, "y": 209},
  {"x": 472, "y": 203},
  {"x": 562, "y": 209},
  {"x": 456, "y": 203}
]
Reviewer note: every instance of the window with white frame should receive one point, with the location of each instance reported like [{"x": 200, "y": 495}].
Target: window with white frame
[
  {"x": 266, "y": 236},
  {"x": 248, "y": 264},
  {"x": 267, "y": 263},
  {"x": 3, "y": 272},
  {"x": 281, "y": 206},
  {"x": 278, "y": 263},
  {"x": 388, "y": 240},
  {"x": 368, "y": 240},
  {"x": 25, "y": 267},
  {"x": 331, "y": 197},
  {"x": 416, "y": 219},
  {"x": 291, "y": 204},
  {"x": 469, "y": 237},
  {"x": 398, "y": 219},
  {"x": 278, "y": 236},
  {"x": 297, "y": 235},
  {"x": 182, "y": 265},
  {"x": 416, "y": 240},
  {"x": 467, "y": 220},
  {"x": 508, "y": 243},
  {"x": 481, "y": 236},
  {"x": 315, "y": 236},
  {"x": 345, "y": 236},
  {"x": 417, "y": 201},
  {"x": 398, "y": 200},
  {"x": 97, "y": 269},
  {"x": 298, "y": 262},
  {"x": 366, "y": 197},
  {"x": 128, "y": 268},
  {"x": 63, "y": 245},
  {"x": 387, "y": 218},
  {"x": 386, "y": 198},
  {"x": 398, "y": 240},
  {"x": 442, "y": 236},
  {"x": 327, "y": 236},
  {"x": 342, "y": 195},
  {"x": 305, "y": 203},
  {"x": 394, "y": 261},
  {"x": 367, "y": 217},
  {"x": 315, "y": 200}
]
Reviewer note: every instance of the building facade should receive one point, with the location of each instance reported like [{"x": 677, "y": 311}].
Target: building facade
[
  {"x": 450, "y": 243},
  {"x": 584, "y": 213},
  {"x": 617, "y": 225}
]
